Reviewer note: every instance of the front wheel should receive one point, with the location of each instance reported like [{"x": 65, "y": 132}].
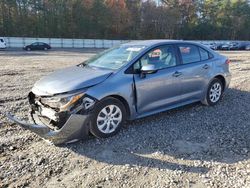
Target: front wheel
[
  {"x": 108, "y": 117},
  {"x": 214, "y": 92}
]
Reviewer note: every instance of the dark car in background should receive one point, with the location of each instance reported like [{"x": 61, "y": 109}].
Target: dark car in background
[
  {"x": 237, "y": 46},
  {"x": 37, "y": 46},
  {"x": 225, "y": 46},
  {"x": 219, "y": 45}
]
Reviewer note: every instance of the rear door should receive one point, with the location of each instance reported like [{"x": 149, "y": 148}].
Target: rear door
[
  {"x": 161, "y": 89},
  {"x": 195, "y": 69}
]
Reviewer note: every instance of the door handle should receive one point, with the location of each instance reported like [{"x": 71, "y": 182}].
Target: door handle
[
  {"x": 177, "y": 73},
  {"x": 206, "y": 66}
]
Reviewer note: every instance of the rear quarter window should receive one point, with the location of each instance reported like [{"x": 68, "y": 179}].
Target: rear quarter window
[
  {"x": 204, "y": 54},
  {"x": 189, "y": 53}
]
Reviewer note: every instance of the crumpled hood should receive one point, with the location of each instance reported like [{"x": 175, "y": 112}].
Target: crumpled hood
[{"x": 69, "y": 79}]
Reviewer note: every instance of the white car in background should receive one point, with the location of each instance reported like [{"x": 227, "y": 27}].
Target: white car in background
[
  {"x": 2, "y": 43},
  {"x": 210, "y": 45}
]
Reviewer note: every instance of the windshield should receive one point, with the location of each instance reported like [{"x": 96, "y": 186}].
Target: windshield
[{"x": 114, "y": 58}]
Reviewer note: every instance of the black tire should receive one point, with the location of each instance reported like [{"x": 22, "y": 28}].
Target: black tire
[
  {"x": 28, "y": 49},
  {"x": 45, "y": 49},
  {"x": 208, "y": 101},
  {"x": 97, "y": 109}
]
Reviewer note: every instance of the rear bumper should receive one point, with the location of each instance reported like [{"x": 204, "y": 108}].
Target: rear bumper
[{"x": 75, "y": 128}]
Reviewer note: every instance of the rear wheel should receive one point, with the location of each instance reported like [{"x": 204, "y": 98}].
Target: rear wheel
[
  {"x": 108, "y": 117},
  {"x": 214, "y": 92},
  {"x": 45, "y": 49},
  {"x": 28, "y": 49}
]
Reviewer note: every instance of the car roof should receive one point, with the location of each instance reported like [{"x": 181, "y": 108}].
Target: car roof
[
  {"x": 38, "y": 42},
  {"x": 149, "y": 42},
  {"x": 157, "y": 42}
]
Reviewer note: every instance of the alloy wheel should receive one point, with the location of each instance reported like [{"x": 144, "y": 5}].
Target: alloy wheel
[
  {"x": 109, "y": 118},
  {"x": 215, "y": 92}
]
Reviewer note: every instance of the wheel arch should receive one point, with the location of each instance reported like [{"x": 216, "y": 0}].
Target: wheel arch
[
  {"x": 222, "y": 79},
  {"x": 124, "y": 102}
]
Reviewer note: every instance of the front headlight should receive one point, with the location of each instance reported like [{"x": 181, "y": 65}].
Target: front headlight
[
  {"x": 62, "y": 102},
  {"x": 70, "y": 102}
]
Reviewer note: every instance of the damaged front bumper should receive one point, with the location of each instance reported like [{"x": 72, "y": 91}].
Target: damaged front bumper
[
  {"x": 55, "y": 125},
  {"x": 75, "y": 128}
]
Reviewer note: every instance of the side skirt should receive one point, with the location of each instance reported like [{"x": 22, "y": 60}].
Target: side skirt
[{"x": 165, "y": 109}]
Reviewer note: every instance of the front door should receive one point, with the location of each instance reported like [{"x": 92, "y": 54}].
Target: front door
[
  {"x": 40, "y": 46},
  {"x": 158, "y": 90},
  {"x": 35, "y": 46}
]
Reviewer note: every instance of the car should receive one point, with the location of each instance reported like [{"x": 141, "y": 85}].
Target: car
[
  {"x": 2, "y": 43},
  {"x": 127, "y": 82},
  {"x": 211, "y": 45},
  {"x": 37, "y": 46},
  {"x": 237, "y": 46},
  {"x": 225, "y": 46},
  {"x": 219, "y": 45},
  {"x": 247, "y": 47}
]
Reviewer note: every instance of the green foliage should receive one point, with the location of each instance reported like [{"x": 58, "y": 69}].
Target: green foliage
[{"x": 126, "y": 19}]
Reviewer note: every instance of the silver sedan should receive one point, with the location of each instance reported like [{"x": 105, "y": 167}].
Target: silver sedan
[{"x": 127, "y": 82}]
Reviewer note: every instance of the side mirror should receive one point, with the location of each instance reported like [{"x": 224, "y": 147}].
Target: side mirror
[{"x": 148, "y": 69}]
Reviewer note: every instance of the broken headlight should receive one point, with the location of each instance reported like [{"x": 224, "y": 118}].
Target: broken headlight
[{"x": 69, "y": 102}]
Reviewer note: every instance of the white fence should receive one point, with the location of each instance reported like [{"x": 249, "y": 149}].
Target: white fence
[{"x": 17, "y": 42}]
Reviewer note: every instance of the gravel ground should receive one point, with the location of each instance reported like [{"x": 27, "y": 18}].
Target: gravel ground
[{"x": 192, "y": 146}]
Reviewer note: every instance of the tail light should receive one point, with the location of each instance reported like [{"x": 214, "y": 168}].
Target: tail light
[{"x": 228, "y": 61}]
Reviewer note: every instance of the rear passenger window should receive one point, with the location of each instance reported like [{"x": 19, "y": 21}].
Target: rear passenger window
[
  {"x": 204, "y": 54},
  {"x": 189, "y": 53}
]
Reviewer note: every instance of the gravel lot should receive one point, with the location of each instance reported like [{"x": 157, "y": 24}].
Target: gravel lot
[{"x": 193, "y": 146}]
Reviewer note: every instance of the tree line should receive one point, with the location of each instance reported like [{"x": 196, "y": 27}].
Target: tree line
[{"x": 127, "y": 19}]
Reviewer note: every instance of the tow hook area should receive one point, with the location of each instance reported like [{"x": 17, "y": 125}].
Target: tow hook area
[{"x": 75, "y": 128}]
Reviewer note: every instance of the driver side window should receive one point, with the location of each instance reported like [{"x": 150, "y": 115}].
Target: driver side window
[{"x": 161, "y": 57}]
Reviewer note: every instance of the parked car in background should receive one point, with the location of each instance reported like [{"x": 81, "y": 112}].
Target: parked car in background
[
  {"x": 219, "y": 45},
  {"x": 37, "y": 46},
  {"x": 225, "y": 46},
  {"x": 237, "y": 46},
  {"x": 211, "y": 45},
  {"x": 2, "y": 43},
  {"x": 247, "y": 47},
  {"x": 130, "y": 81}
]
